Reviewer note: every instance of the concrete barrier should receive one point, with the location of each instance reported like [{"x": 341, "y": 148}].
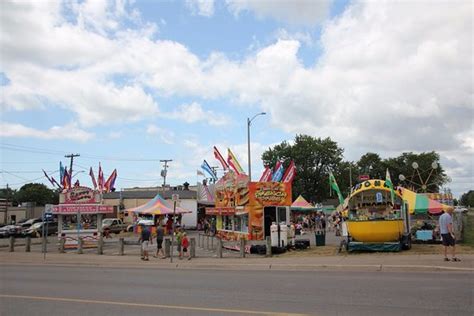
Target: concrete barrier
[
  {"x": 219, "y": 248},
  {"x": 80, "y": 245},
  {"x": 100, "y": 245},
  {"x": 28, "y": 244},
  {"x": 121, "y": 246},
  {"x": 62, "y": 243},
  {"x": 11, "y": 244},
  {"x": 192, "y": 250},
  {"x": 269, "y": 247},
  {"x": 167, "y": 248},
  {"x": 242, "y": 248}
]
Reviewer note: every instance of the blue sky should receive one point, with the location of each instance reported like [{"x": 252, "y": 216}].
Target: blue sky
[{"x": 127, "y": 83}]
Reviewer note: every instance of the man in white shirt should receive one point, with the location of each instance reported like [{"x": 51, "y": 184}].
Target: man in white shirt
[{"x": 447, "y": 234}]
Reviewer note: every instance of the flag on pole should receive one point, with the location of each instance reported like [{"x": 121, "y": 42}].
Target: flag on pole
[
  {"x": 290, "y": 173},
  {"x": 47, "y": 177},
  {"x": 221, "y": 159},
  {"x": 109, "y": 184},
  {"x": 278, "y": 173},
  {"x": 205, "y": 166},
  {"x": 94, "y": 183},
  {"x": 66, "y": 180},
  {"x": 59, "y": 186},
  {"x": 233, "y": 163},
  {"x": 100, "y": 179},
  {"x": 266, "y": 175},
  {"x": 61, "y": 171},
  {"x": 335, "y": 187},
  {"x": 388, "y": 183}
]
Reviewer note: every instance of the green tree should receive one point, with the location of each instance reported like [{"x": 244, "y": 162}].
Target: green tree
[
  {"x": 9, "y": 195},
  {"x": 467, "y": 199},
  {"x": 37, "y": 192},
  {"x": 372, "y": 165},
  {"x": 313, "y": 157}
]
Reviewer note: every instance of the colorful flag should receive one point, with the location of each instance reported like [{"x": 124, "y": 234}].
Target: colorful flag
[
  {"x": 61, "y": 172},
  {"x": 388, "y": 183},
  {"x": 47, "y": 177},
  {"x": 59, "y": 186},
  {"x": 109, "y": 184},
  {"x": 278, "y": 173},
  {"x": 233, "y": 163},
  {"x": 290, "y": 173},
  {"x": 335, "y": 187},
  {"x": 221, "y": 159},
  {"x": 94, "y": 183},
  {"x": 205, "y": 166},
  {"x": 100, "y": 179},
  {"x": 66, "y": 180},
  {"x": 266, "y": 175}
]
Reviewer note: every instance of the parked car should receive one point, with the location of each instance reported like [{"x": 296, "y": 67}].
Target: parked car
[
  {"x": 29, "y": 222},
  {"x": 10, "y": 230},
  {"x": 113, "y": 225},
  {"x": 36, "y": 230}
]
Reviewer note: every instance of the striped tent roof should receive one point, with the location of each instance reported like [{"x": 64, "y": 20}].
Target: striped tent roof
[
  {"x": 156, "y": 206},
  {"x": 300, "y": 204},
  {"x": 421, "y": 204}
]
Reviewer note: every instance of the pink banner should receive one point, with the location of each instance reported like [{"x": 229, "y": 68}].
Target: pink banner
[{"x": 82, "y": 208}]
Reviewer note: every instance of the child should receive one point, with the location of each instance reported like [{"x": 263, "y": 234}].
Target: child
[{"x": 184, "y": 246}]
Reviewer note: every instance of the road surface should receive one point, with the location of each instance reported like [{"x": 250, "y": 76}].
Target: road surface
[{"x": 62, "y": 290}]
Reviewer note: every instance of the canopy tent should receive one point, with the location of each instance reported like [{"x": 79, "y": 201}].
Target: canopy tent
[
  {"x": 157, "y": 206},
  {"x": 421, "y": 204},
  {"x": 301, "y": 205}
]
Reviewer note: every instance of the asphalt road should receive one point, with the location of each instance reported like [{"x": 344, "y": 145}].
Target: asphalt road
[{"x": 58, "y": 290}]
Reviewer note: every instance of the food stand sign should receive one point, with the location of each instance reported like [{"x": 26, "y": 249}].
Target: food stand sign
[
  {"x": 80, "y": 195},
  {"x": 82, "y": 208}
]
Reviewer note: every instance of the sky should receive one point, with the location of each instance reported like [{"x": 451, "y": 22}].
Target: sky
[{"x": 129, "y": 83}]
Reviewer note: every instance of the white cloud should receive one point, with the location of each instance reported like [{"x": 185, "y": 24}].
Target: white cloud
[
  {"x": 306, "y": 12},
  {"x": 192, "y": 113},
  {"x": 201, "y": 7},
  {"x": 69, "y": 131},
  {"x": 166, "y": 136}
]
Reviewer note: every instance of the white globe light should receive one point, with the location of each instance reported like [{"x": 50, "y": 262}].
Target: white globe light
[
  {"x": 401, "y": 177},
  {"x": 414, "y": 165},
  {"x": 434, "y": 165}
]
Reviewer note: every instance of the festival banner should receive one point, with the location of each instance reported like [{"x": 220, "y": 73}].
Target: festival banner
[
  {"x": 221, "y": 159},
  {"x": 100, "y": 179},
  {"x": 266, "y": 175},
  {"x": 290, "y": 173},
  {"x": 47, "y": 177},
  {"x": 94, "y": 183},
  {"x": 278, "y": 173},
  {"x": 233, "y": 163},
  {"x": 109, "y": 184},
  {"x": 205, "y": 166}
]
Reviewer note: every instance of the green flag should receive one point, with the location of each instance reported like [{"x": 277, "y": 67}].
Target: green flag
[
  {"x": 388, "y": 183},
  {"x": 335, "y": 187}
]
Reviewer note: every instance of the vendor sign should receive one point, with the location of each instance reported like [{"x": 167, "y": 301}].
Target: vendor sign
[
  {"x": 80, "y": 195},
  {"x": 82, "y": 208}
]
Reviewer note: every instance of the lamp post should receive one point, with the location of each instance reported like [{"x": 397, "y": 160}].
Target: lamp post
[{"x": 249, "y": 122}]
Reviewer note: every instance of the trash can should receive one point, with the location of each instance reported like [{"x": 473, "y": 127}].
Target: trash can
[{"x": 320, "y": 237}]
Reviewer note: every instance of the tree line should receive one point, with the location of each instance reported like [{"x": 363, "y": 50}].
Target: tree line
[{"x": 316, "y": 157}]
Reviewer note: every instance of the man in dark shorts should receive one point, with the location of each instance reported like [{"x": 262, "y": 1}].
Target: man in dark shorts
[
  {"x": 447, "y": 234},
  {"x": 145, "y": 238},
  {"x": 160, "y": 233}
]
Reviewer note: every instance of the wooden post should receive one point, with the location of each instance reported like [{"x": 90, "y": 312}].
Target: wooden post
[
  {"x": 80, "y": 244},
  {"x": 167, "y": 248},
  {"x": 212, "y": 242},
  {"x": 199, "y": 240},
  {"x": 121, "y": 246},
  {"x": 12, "y": 244},
  {"x": 242, "y": 248},
  {"x": 269, "y": 246},
  {"x": 207, "y": 242},
  {"x": 192, "y": 251},
  {"x": 219, "y": 247},
  {"x": 62, "y": 243},
  {"x": 100, "y": 245},
  {"x": 28, "y": 244}
]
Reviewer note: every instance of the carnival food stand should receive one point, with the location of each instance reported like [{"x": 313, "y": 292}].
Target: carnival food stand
[
  {"x": 246, "y": 210},
  {"x": 80, "y": 215}
]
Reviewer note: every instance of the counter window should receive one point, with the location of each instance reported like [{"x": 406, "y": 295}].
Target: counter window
[{"x": 87, "y": 221}]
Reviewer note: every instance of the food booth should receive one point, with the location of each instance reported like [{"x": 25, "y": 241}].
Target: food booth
[
  {"x": 80, "y": 215},
  {"x": 246, "y": 210}
]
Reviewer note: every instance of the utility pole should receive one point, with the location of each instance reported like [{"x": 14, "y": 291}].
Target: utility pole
[
  {"x": 72, "y": 159},
  {"x": 165, "y": 170}
]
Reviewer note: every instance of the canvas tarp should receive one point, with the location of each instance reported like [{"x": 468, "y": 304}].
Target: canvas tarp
[{"x": 157, "y": 206}]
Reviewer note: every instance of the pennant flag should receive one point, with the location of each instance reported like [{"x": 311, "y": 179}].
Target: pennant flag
[
  {"x": 266, "y": 175},
  {"x": 109, "y": 184},
  {"x": 278, "y": 173},
  {"x": 388, "y": 183},
  {"x": 94, "y": 183},
  {"x": 233, "y": 163},
  {"x": 221, "y": 159},
  {"x": 335, "y": 187},
  {"x": 66, "y": 180},
  {"x": 47, "y": 177},
  {"x": 205, "y": 166},
  {"x": 200, "y": 173},
  {"x": 61, "y": 172},
  {"x": 100, "y": 179},
  {"x": 290, "y": 173}
]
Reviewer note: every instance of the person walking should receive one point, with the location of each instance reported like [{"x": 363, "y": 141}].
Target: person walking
[
  {"x": 145, "y": 238},
  {"x": 185, "y": 246},
  {"x": 160, "y": 233},
  {"x": 179, "y": 239},
  {"x": 447, "y": 234}
]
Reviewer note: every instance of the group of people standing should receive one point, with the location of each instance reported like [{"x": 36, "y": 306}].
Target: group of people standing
[{"x": 146, "y": 239}]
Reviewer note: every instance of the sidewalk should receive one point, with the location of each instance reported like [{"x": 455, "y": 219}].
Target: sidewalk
[{"x": 359, "y": 262}]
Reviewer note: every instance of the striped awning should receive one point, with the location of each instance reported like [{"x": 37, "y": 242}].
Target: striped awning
[{"x": 157, "y": 206}]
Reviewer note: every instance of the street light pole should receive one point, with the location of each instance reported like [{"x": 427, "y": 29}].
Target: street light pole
[{"x": 249, "y": 122}]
